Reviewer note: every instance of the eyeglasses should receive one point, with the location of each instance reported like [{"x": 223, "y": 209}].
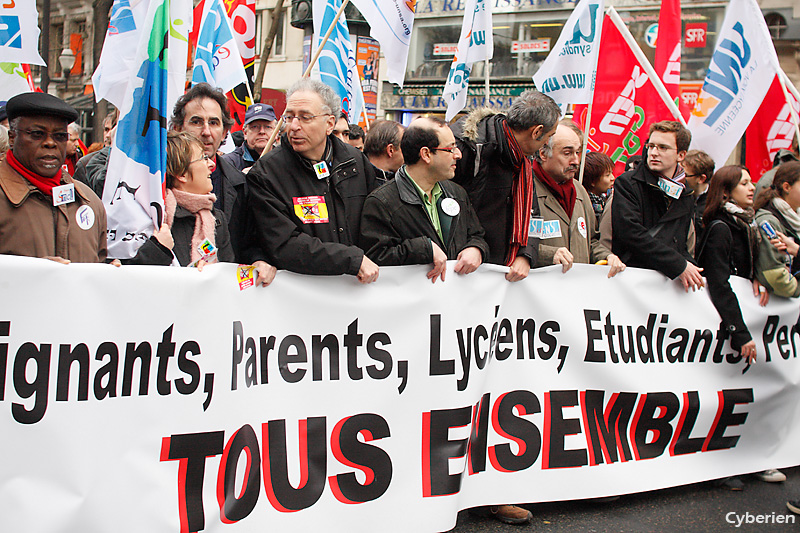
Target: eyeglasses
[
  {"x": 452, "y": 149},
  {"x": 305, "y": 119},
  {"x": 261, "y": 127},
  {"x": 692, "y": 175},
  {"x": 40, "y": 135},
  {"x": 659, "y": 147},
  {"x": 204, "y": 157}
]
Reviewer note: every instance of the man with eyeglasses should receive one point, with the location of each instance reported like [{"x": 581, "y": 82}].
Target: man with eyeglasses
[
  {"x": 203, "y": 111},
  {"x": 421, "y": 217},
  {"x": 495, "y": 169},
  {"x": 566, "y": 228},
  {"x": 43, "y": 211},
  {"x": 652, "y": 214},
  {"x": 259, "y": 123},
  {"x": 307, "y": 194}
]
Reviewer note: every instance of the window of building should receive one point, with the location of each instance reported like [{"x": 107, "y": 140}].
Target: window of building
[{"x": 278, "y": 48}]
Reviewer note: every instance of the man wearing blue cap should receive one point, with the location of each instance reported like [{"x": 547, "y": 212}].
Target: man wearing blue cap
[
  {"x": 43, "y": 212},
  {"x": 259, "y": 123}
]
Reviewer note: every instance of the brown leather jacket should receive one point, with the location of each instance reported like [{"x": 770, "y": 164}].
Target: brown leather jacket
[{"x": 30, "y": 225}]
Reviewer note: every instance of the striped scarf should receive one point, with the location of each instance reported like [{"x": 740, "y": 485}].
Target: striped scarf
[{"x": 522, "y": 194}]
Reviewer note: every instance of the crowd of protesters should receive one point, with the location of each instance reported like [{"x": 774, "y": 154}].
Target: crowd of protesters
[{"x": 329, "y": 199}]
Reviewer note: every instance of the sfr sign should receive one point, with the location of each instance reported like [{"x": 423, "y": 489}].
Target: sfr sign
[{"x": 695, "y": 35}]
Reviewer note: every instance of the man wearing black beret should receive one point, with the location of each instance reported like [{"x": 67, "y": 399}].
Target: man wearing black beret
[{"x": 43, "y": 212}]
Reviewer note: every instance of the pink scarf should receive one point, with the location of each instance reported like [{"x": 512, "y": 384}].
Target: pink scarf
[{"x": 204, "y": 222}]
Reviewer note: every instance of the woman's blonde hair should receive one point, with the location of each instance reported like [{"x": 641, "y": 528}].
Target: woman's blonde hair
[{"x": 179, "y": 154}]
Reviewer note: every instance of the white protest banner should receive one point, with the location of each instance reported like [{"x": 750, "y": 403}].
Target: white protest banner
[
  {"x": 166, "y": 400},
  {"x": 118, "y": 66},
  {"x": 216, "y": 59},
  {"x": 568, "y": 73},
  {"x": 15, "y": 78},
  {"x": 391, "y": 22},
  {"x": 134, "y": 189},
  {"x": 19, "y": 33},
  {"x": 475, "y": 44},
  {"x": 741, "y": 71}
]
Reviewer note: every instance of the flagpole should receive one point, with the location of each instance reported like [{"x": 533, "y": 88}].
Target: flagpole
[
  {"x": 311, "y": 64},
  {"x": 486, "y": 75},
  {"x": 363, "y": 102},
  {"x": 792, "y": 113},
  {"x": 588, "y": 122}
]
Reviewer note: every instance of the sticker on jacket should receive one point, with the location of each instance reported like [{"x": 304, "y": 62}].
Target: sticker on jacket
[
  {"x": 670, "y": 188},
  {"x": 544, "y": 229},
  {"x": 311, "y": 209},
  {"x": 84, "y": 216},
  {"x": 582, "y": 226}
]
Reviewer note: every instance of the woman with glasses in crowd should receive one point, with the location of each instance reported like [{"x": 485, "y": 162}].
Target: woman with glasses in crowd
[{"x": 194, "y": 230}]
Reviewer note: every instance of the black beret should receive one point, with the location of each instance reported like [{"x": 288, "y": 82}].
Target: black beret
[
  {"x": 36, "y": 104},
  {"x": 3, "y": 114}
]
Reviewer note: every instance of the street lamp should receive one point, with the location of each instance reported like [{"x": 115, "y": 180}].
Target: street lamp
[{"x": 67, "y": 60}]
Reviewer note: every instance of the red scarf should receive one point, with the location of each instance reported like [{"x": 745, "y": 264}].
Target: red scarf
[
  {"x": 564, "y": 192},
  {"x": 40, "y": 182},
  {"x": 522, "y": 194}
]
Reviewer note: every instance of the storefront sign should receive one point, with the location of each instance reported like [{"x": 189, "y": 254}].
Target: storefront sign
[
  {"x": 439, "y": 8},
  {"x": 537, "y": 45},
  {"x": 445, "y": 49},
  {"x": 429, "y": 97}
]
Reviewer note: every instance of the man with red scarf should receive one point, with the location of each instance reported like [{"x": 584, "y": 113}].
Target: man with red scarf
[
  {"x": 496, "y": 171},
  {"x": 43, "y": 212},
  {"x": 567, "y": 227}
]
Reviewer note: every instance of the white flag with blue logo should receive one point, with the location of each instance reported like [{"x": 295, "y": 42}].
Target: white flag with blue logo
[
  {"x": 336, "y": 65},
  {"x": 568, "y": 74},
  {"x": 475, "y": 44},
  {"x": 217, "y": 60},
  {"x": 391, "y": 23},
  {"x": 19, "y": 32},
  {"x": 134, "y": 188},
  {"x": 117, "y": 65},
  {"x": 742, "y": 68}
]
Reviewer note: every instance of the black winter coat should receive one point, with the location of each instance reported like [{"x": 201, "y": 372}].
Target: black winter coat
[
  {"x": 306, "y": 224},
  {"x": 486, "y": 172},
  {"x": 649, "y": 228},
  {"x": 726, "y": 251},
  {"x": 396, "y": 229},
  {"x": 153, "y": 253},
  {"x": 234, "y": 205}
]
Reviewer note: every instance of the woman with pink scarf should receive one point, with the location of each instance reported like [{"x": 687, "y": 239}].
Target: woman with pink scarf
[{"x": 194, "y": 231}]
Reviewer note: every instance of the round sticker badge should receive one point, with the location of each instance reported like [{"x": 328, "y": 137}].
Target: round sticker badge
[
  {"x": 84, "y": 217},
  {"x": 582, "y": 226},
  {"x": 450, "y": 207}
]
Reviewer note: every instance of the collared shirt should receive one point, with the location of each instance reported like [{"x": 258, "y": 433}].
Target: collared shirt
[{"x": 430, "y": 207}]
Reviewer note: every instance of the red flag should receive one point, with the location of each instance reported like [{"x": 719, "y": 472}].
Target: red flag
[
  {"x": 668, "y": 52},
  {"x": 771, "y": 129},
  {"x": 625, "y": 100},
  {"x": 26, "y": 68}
]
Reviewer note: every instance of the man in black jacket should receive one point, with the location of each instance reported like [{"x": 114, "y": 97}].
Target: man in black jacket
[
  {"x": 653, "y": 213},
  {"x": 496, "y": 171},
  {"x": 421, "y": 217},
  {"x": 307, "y": 194},
  {"x": 203, "y": 111}
]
